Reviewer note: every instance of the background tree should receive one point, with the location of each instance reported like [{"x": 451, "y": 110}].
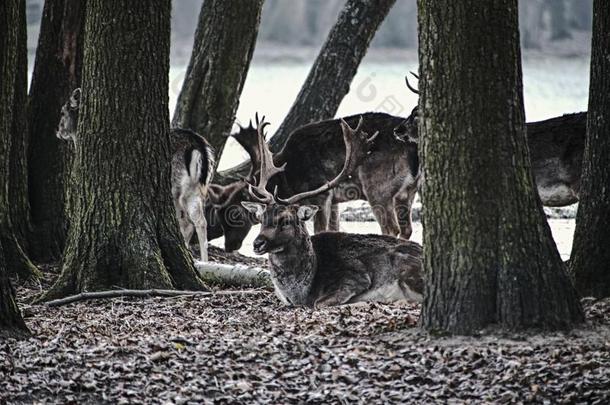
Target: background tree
[
  {"x": 18, "y": 181},
  {"x": 11, "y": 323},
  {"x": 332, "y": 72},
  {"x": 590, "y": 261},
  {"x": 489, "y": 256},
  {"x": 11, "y": 42},
  {"x": 123, "y": 231},
  {"x": 57, "y": 72},
  {"x": 224, "y": 44}
]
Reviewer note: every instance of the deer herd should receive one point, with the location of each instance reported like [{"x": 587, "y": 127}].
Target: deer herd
[{"x": 371, "y": 156}]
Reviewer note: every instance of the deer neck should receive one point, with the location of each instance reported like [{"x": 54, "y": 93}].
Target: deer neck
[{"x": 293, "y": 271}]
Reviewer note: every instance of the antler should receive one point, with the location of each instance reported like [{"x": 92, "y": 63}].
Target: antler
[
  {"x": 413, "y": 89},
  {"x": 267, "y": 168},
  {"x": 248, "y": 139},
  {"x": 357, "y": 147}
]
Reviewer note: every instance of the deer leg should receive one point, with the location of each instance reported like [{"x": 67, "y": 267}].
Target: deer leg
[
  {"x": 403, "y": 204},
  {"x": 197, "y": 216},
  {"x": 334, "y": 220},
  {"x": 320, "y": 221},
  {"x": 384, "y": 212}
]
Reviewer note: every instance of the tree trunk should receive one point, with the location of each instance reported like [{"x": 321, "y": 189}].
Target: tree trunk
[
  {"x": 331, "y": 74},
  {"x": 18, "y": 182},
  {"x": 57, "y": 72},
  {"x": 590, "y": 261},
  {"x": 11, "y": 32},
  {"x": 224, "y": 44},
  {"x": 123, "y": 231},
  {"x": 489, "y": 257},
  {"x": 558, "y": 20},
  {"x": 11, "y": 323}
]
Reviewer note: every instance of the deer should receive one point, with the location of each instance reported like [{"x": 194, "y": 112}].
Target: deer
[
  {"x": 329, "y": 268},
  {"x": 388, "y": 179},
  {"x": 192, "y": 168},
  {"x": 556, "y": 147}
]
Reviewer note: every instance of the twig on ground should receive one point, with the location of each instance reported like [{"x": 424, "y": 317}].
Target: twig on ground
[{"x": 141, "y": 293}]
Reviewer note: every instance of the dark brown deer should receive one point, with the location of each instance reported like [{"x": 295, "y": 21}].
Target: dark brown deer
[
  {"x": 388, "y": 179},
  {"x": 329, "y": 268},
  {"x": 556, "y": 147}
]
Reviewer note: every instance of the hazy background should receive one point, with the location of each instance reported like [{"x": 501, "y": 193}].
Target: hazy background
[{"x": 555, "y": 38}]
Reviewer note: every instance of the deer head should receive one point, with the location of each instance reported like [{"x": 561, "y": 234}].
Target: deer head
[
  {"x": 283, "y": 220},
  {"x": 68, "y": 121},
  {"x": 407, "y": 131},
  {"x": 227, "y": 215}
]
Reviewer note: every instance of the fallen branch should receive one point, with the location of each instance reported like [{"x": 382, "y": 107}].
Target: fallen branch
[
  {"x": 237, "y": 275},
  {"x": 139, "y": 293}
]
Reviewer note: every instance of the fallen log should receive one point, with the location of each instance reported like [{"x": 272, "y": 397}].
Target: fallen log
[{"x": 234, "y": 275}]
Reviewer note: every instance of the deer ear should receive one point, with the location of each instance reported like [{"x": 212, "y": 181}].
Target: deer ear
[
  {"x": 255, "y": 208},
  {"x": 305, "y": 212},
  {"x": 75, "y": 98}
]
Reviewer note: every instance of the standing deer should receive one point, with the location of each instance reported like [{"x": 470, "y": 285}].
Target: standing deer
[
  {"x": 329, "y": 268},
  {"x": 314, "y": 153},
  {"x": 192, "y": 170},
  {"x": 556, "y": 147}
]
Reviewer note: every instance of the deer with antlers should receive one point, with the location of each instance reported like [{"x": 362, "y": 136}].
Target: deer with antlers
[
  {"x": 329, "y": 268},
  {"x": 556, "y": 147}
]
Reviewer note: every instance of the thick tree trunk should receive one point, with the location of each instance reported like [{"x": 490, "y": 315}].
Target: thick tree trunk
[
  {"x": 11, "y": 30},
  {"x": 57, "y": 71},
  {"x": 332, "y": 73},
  {"x": 489, "y": 256},
  {"x": 18, "y": 182},
  {"x": 123, "y": 231},
  {"x": 11, "y": 323},
  {"x": 590, "y": 261},
  {"x": 224, "y": 44}
]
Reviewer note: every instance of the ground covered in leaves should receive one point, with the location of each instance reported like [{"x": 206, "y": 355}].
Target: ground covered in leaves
[{"x": 247, "y": 348}]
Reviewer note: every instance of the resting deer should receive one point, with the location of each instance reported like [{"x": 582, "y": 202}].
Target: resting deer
[
  {"x": 192, "y": 169},
  {"x": 329, "y": 268},
  {"x": 556, "y": 148}
]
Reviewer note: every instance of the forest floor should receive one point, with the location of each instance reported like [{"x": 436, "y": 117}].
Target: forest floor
[{"x": 248, "y": 348}]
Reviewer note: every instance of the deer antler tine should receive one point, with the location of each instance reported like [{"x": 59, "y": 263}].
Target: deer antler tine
[
  {"x": 415, "y": 75},
  {"x": 357, "y": 147},
  {"x": 413, "y": 89}
]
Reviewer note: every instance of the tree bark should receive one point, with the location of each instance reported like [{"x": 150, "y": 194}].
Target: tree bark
[
  {"x": 224, "y": 44},
  {"x": 57, "y": 71},
  {"x": 11, "y": 32},
  {"x": 123, "y": 231},
  {"x": 489, "y": 257},
  {"x": 11, "y": 322},
  {"x": 590, "y": 260},
  {"x": 18, "y": 182},
  {"x": 332, "y": 73}
]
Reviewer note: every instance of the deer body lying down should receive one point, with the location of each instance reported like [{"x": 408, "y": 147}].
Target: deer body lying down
[
  {"x": 330, "y": 268},
  {"x": 334, "y": 268}
]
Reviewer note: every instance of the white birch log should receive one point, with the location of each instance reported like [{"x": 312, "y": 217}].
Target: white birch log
[{"x": 237, "y": 275}]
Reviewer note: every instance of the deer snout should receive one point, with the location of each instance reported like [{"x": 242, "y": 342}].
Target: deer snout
[{"x": 260, "y": 245}]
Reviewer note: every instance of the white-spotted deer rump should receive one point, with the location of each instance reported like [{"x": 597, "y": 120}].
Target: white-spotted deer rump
[
  {"x": 192, "y": 170},
  {"x": 329, "y": 268}
]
